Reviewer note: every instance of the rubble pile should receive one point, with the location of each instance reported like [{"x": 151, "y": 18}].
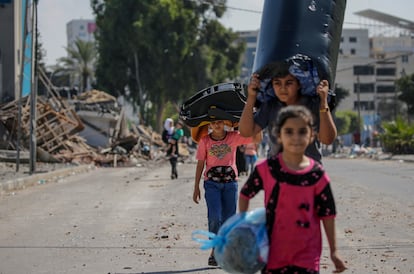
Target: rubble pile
[
  {"x": 56, "y": 127},
  {"x": 59, "y": 123}
]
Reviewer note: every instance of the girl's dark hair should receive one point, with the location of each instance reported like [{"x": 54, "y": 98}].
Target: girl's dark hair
[
  {"x": 292, "y": 111},
  {"x": 272, "y": 70}
]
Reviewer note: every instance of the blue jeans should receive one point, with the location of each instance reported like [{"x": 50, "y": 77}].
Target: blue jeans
[
  {"x": 250, "y": 161},
  {"x": 221, "y": 201}
]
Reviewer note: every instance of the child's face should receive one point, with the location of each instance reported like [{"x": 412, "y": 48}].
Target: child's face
[
  {"x": 286, "y": 89},
  {"x": 217, "y": 126},
  {"x": 295, "y": 136}
]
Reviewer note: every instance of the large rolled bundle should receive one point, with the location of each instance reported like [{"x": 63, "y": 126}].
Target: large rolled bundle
[
  {"x": 223, "y": 101},
  {"x": 305, "y": 28}
]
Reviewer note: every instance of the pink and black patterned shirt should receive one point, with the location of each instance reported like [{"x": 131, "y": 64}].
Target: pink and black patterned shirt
[{"x": 303, "y": 199}]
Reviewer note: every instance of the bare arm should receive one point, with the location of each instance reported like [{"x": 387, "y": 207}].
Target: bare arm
[
  {"x": 329, "y": 226},
  {"x": 172, "y": 144},
  {"x": 247, "y": 126},
  {"x": 243, "y": 204},
  {"x": 199, "y": 172},
  {"x": 327, "y": 129},
  {"x": 257, "y": 138}
]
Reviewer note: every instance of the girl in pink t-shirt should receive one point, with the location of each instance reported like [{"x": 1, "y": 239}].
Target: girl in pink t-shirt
[
  {"x": 298, "y": 198},
  {"x": 217, "y": 153}
]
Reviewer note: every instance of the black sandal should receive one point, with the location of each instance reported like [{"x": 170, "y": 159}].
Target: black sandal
[{"x": 212, "y": 261}]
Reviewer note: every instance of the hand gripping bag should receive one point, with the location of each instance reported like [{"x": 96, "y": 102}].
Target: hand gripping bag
[{"x": 241, "y": 244}]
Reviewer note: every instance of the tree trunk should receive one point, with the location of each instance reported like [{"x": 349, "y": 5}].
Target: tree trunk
[
  {"x": 84, "y": 82},
  {"x": 160, "y": 114}
]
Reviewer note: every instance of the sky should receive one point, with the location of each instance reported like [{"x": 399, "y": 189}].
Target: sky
[{"x": 53, "y": 15}]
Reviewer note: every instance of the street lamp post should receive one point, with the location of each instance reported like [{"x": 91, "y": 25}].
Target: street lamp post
[
  {"x": 359, "y": 106},
  {"x": 375, "y": 114}
]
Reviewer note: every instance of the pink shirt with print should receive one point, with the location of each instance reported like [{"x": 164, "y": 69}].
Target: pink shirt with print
[{"x": 220, "y": 153}]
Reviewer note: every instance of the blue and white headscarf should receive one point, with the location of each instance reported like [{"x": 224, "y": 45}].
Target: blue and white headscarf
[{"x": 300, "y": 66}]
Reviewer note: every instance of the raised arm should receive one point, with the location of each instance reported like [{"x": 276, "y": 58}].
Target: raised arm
[
  {"x": 327, "y": 128},
  {"x": 247, "y": 126}
]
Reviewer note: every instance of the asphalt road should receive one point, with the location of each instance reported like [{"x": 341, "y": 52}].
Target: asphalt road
[{"x": 137, "y": 220}]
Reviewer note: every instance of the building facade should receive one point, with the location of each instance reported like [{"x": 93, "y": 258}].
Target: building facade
[
  {"x": 370, "y": 60},
  {"x": 11, "y": 48},
  {"x": 80, "y": 29},
  {"x": 250, "y": 38},
  {"x": 370, "y": 79}
]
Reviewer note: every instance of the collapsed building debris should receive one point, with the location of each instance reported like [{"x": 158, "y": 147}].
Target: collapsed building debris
[
  {"x": 56, "y": 126},
  {"x": 60, "y": 124}
]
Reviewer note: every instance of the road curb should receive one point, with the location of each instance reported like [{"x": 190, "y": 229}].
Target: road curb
[
  {"x": 41, "y": 178},
  {"x": 405, "y": 158}
]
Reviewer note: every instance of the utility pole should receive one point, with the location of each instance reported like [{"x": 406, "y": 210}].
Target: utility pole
[
  {"x": 374, "y": 119},
  {"x": 359, "y": 107},
  {"x": 33, "y": 93},
  {"x": 19, "y": 113}
]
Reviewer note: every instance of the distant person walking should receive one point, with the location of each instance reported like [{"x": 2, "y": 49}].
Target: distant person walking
[
  {"x": 168, "y": 130},
  {"x": 250, "y": 156},
  {"x": 240, "y": 161},
  {"x": 173, "y": 151},
  {"x": 264, "y": 145}
]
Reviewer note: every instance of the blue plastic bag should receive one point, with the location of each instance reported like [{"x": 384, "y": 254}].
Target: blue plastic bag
[{"x": 241, "y": 244}]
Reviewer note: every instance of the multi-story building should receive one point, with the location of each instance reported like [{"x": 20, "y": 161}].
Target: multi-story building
[
  {"x": 251, "y": 38},
  {"x": 80, "y": 29},
  {"x": 11, "y": 49},
  {"x": 369, "y": 63},
  {"x": 371, "y": 58}
]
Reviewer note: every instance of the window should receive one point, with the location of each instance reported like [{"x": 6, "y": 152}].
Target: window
[
  {"x": 385, "y": 89},
  {"x": 363, "y": 70},
  {"x": 404, "y": 58},
  {"x": 352, "y": 39},
  {"x": 364, "y": 105},
  {"x": 386, "y": 71},
  {"x": 364, "y": 87},
  {"x": 251, "y": 39},
  {"x": 380, "y": 56},
  {"x": 353, "y": 51},
  {"x": 341, "y": 51}
]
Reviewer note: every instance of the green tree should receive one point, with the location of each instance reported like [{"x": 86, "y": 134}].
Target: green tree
[
  {"x": 80, "y": 63},
  {"x": 342, "y": 122},
  {"x": 163, "y": 51},
  {"x": 406, "y": 86},
  {"x": 347, "y": 122},
  {"x": 398, "y": 136},
  {"x": 340, "y": 94}
]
